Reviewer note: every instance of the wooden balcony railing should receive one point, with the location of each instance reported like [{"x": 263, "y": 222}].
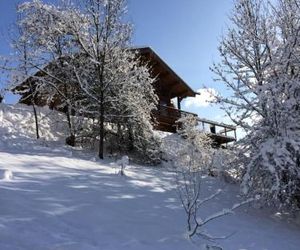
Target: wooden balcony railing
[
  {"x": 220, "y": 132},
  {"x": 171, "y": 112}
]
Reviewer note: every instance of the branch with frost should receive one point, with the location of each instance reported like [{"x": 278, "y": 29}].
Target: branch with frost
[{"x": 226, "y": 211}]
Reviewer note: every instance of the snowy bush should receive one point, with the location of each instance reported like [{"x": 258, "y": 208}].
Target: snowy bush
[
  {"x": 273, "y": 170},
  {"x": 135, "y": 139},
  {"x": 122, "y": 163},
  {"x": 221, "y": 165},
  {"x": 147, "y": 146},
  {"x": 196, "y": 149}
]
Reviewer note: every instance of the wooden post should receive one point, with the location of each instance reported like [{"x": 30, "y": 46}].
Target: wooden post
[{"x": 179, "y": 102}]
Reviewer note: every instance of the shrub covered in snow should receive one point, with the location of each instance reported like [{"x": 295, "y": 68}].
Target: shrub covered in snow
[
  {"x": 122, "y": 163},
  {"x": 195, "y": 147}
]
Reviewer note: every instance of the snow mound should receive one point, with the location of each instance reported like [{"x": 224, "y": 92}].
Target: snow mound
[
  {"x": 172, "y": 144},
  {"x": 17, "y": 126},
  {"x": 6, "y": 175}
]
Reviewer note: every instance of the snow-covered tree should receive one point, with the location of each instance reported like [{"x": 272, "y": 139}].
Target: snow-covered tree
[
  {"x": 19, "y": 67},
  {"x": 2, "y": 84},
  {"x": 91, "y": 70},
  {"x": 259, "y": 64},
  {"x": 46, "y": 32},
  {"x": 117, "y": 86}
]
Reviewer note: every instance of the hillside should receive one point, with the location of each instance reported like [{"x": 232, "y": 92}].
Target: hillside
[{"x": 63, "y": 198}]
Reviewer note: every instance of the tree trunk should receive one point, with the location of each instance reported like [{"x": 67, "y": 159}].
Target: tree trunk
[
  {"x": 130, "y": 139},
  {"x": 70, "y": 140},
  {"x": 101, "y": 131},
  {"x": 36, "y": 121}
]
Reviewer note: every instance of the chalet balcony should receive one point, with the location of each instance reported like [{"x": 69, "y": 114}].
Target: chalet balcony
[
  {"x": 221, "y": 133},
  {"x": 167, "y": 116}
]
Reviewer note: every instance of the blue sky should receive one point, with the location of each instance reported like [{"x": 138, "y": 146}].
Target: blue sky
[{"x": 185, "y": 34}]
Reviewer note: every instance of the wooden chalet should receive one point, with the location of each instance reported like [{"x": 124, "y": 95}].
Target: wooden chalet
[
  {"x": 169, "y": 87},
  {"x": 171, "y": 90}
]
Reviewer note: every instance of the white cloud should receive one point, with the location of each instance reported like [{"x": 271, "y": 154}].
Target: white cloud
[{"x": 206, "y": 96}]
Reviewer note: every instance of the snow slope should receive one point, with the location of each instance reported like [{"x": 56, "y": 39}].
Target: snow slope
[{"x": 62, "y": 198}]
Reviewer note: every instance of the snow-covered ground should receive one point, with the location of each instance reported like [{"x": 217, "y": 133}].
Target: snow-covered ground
[{"x": 62, "y": 198}]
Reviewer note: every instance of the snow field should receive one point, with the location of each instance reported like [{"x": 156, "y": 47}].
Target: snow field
[{"x": 63, "y": 198}]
